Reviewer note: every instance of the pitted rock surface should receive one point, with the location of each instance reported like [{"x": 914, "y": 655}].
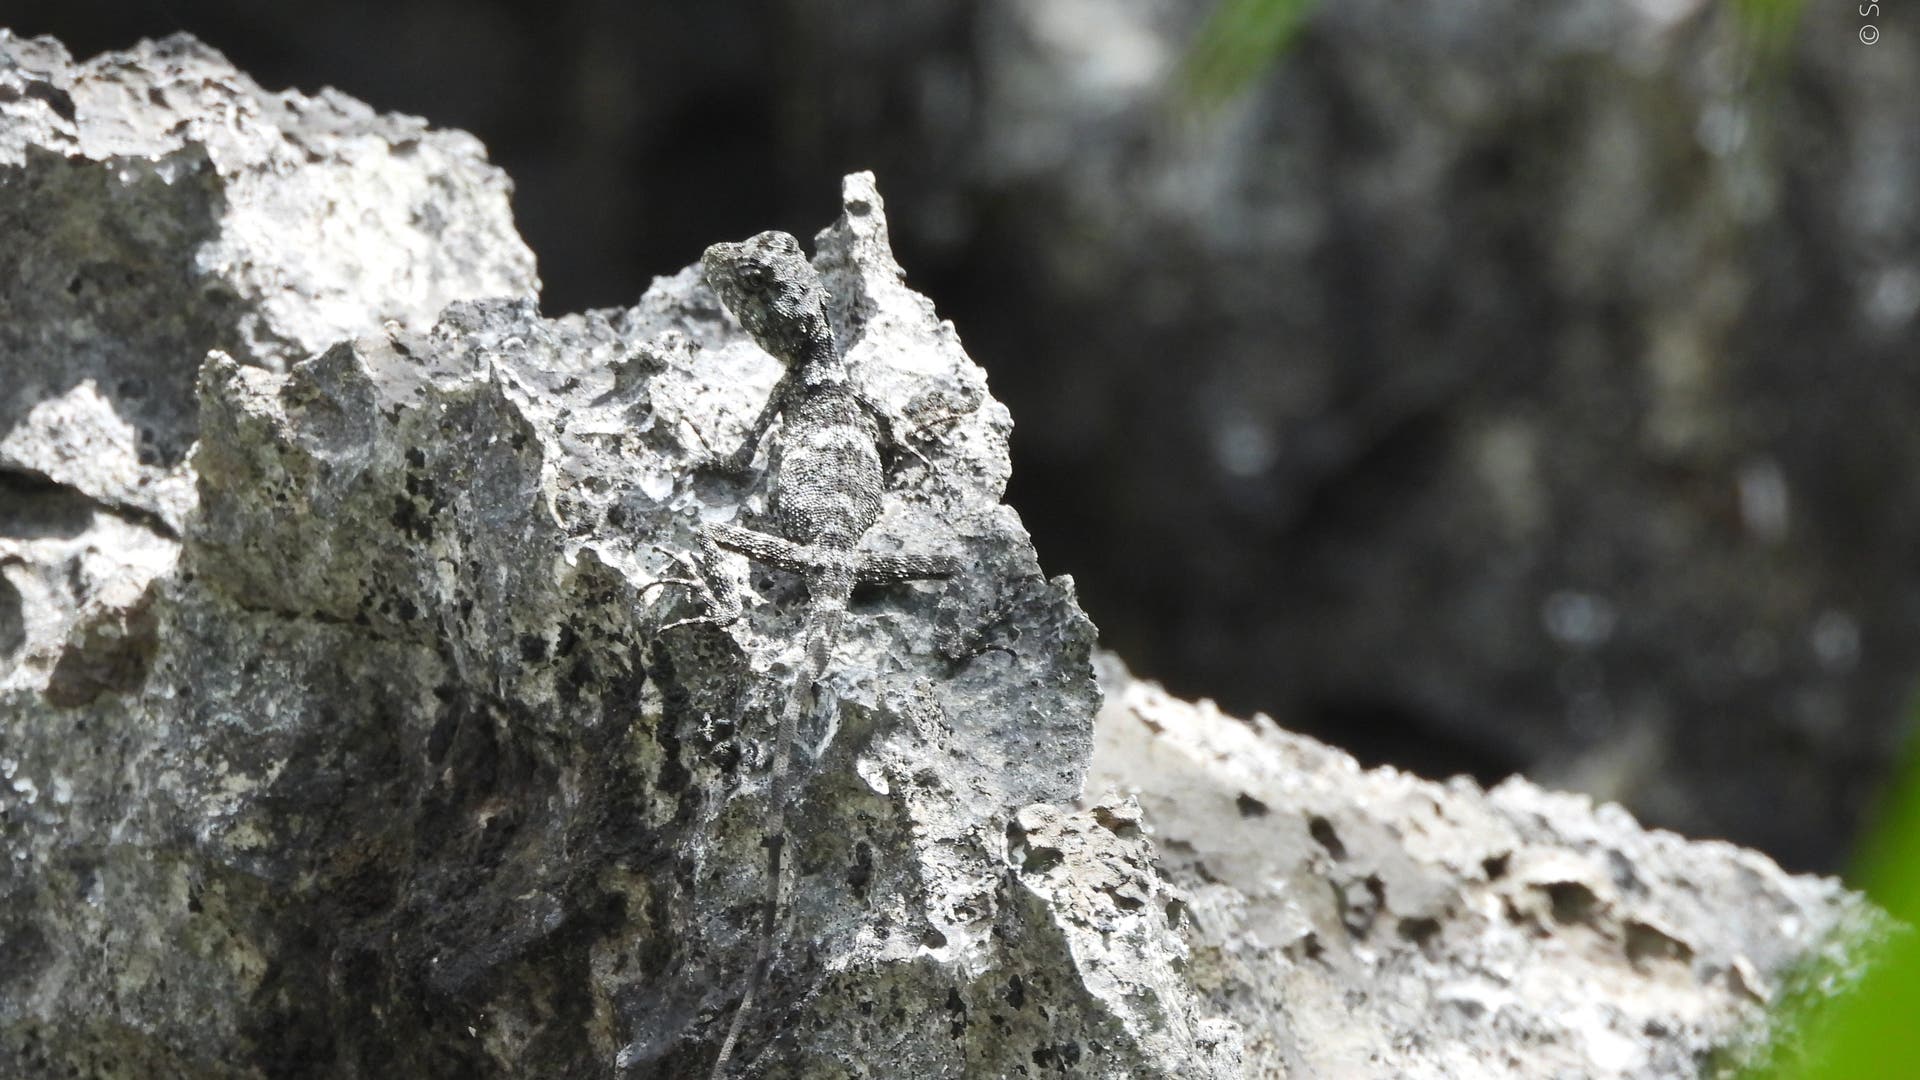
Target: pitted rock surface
[
  {"x": 338, "y": 738},
  {"x": 1367, "y": 923},
  {"x": 338, "y": 735}
]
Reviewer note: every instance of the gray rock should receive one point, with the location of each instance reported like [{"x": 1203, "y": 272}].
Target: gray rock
[
  {"x": 1495, "y": 387},
  {"x": 159, "y": 204},
  {"x": 337, "y": 736},
  {"x": 363, "y": 755},
  {"x": 1367, "y": 923}
]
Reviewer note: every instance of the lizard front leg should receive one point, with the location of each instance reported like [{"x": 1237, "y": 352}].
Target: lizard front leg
[
  {"x": 740, "y": 462},
  {"x": 868, "y": 567}
]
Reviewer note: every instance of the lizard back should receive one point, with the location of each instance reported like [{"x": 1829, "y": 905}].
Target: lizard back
[{"x": 828, "y": 481}]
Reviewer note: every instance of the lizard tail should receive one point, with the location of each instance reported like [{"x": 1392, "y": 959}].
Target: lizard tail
[
  {"x": 826, "y": 606},
  {"x": 762, "y": 960}
]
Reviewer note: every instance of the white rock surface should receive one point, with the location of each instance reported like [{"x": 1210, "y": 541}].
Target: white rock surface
[{"x": 1367, "y": 923}]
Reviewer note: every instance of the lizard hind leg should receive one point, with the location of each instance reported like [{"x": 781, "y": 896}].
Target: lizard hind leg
[
  {"x": 888, "y": 568},
  {"x": 759, "y": 546},
  {"x": 712, "y": 586}
]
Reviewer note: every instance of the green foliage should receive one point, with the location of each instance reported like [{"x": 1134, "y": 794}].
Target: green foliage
[
  {"x": 1768, "y": 25},
  {"x": 1243, "y": 38},
  {"x": 1839, "y": 1021},
  {"x": 1870, "y": 1032},
  {"x": 1239, "y": 40}
]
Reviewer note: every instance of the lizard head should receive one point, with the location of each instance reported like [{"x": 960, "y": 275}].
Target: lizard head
[{"x": 774, "y": 291}]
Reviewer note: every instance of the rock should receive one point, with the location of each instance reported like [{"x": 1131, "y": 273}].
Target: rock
[
  {"x": 1367, "y": 923},
  {"x": 1487, "y": 387},
  {"x": 338, "y": 735},
  {"x": 1491, "y": 387},
  {"x": 364, "y": 756},
  {"x": 159, "y": 204}
]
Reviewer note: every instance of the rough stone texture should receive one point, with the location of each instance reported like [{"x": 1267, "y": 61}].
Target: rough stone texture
[
  {"x": 158, "y": 204},
  {"x": 1494, "y": 387},
  {"x": 336, "y": 737},
  {"x": 1373, "y": 924},
  {"x": 369, "y": 761},
  {"x": 1499, "y": 386}
]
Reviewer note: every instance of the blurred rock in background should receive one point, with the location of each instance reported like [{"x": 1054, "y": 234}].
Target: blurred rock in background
[{"x": 1492, "y": 388}]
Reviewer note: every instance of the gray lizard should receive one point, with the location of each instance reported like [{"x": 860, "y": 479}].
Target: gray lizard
[{"x": 827, "y": 489}]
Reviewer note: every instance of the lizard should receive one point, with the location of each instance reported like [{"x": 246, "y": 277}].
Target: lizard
[{"x": 827, "y": 486}]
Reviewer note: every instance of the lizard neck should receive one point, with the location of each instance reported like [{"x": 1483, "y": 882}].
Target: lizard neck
[{"x": 819, "y": 363}]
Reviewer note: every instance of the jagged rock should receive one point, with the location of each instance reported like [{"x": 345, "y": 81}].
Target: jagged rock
[
  {"x": 338, "y": 736},
  {"x": 158, "y": 204},
  {"x": 1373, "y": 924},
  {"x": 371, "y": 760},
  {"x": 1495, "y": 387}
]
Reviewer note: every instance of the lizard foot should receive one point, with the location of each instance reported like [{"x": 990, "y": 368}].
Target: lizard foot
[
  {"x": 721, "y": 606},
  {"x": 964, "y": 632}
]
